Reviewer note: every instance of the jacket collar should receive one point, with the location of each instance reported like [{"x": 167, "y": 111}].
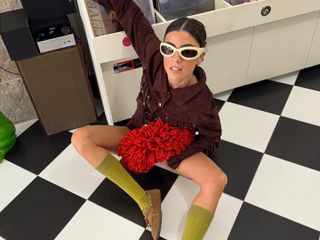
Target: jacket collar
[{"x": 181, "y": 95}]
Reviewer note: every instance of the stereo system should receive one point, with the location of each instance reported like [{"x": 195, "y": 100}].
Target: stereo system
[
  {"x": 41, "y": 26},
  {"x": 53, "y": 35}
]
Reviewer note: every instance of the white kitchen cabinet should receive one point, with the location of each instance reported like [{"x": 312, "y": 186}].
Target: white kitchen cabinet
[
  {"x": 243, "y": 47},
  {"x": 227, "y": 60},
  {"x": 314, "y": 53},
  {"x": 281, "y": 47}
]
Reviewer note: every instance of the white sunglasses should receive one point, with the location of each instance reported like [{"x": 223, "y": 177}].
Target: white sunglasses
[{"x": 186, "y": 53}]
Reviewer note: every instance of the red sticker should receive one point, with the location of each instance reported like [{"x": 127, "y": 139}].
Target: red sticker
[{"x": 126, "y": 42}]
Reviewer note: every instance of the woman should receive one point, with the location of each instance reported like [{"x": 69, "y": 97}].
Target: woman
[{"x": 173, "y": 89}]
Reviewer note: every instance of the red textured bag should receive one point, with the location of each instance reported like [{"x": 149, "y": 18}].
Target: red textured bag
[{"x": 155, "y": 142}]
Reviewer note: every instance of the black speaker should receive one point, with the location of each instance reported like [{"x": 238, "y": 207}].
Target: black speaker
[
  {"x": 16, "y": 35},
  {"x": 41, "y": 10}
]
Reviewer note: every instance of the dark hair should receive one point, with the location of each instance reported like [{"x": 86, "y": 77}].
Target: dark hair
[{"x": 195, "y": 28}]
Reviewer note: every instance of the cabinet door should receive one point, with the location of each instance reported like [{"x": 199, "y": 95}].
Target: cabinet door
[
  {"x": 314, "y": 54},
  {"x": 227, "y": 60},
  {"x": 281, "y": 47},
  {"x": 122, "y": 90}
]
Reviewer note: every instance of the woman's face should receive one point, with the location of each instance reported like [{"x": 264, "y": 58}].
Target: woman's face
[{"x": 180, "y": 71}]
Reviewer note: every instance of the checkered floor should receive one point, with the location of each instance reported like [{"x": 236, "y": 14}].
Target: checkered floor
[{"x": 270, "y": 152}]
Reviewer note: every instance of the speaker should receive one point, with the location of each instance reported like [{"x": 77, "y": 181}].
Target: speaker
[
  {"x": 16, "y": 35},
  {"x": 41, "y": 10},
  {"x": 59, "y": 88}
]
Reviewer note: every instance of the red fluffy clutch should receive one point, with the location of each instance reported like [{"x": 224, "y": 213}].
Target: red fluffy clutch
[{"x": 155, "y": 142}]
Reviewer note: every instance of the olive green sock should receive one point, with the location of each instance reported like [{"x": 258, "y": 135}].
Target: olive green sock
[
  {"x": 197, "y": 223},
  {"x": 112, "y": 169}
]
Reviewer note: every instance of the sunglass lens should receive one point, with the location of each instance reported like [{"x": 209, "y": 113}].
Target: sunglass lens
[
  {"x": 189, "y": 53},
  {"x": 166, "y": 50}
]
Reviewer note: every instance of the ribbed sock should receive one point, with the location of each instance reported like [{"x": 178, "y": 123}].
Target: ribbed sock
[
  {"x": 197, "y": 223},
  {"x": 112, "y": 169}
]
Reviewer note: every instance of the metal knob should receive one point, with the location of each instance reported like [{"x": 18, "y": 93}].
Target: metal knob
[{"x": 265, "y": 10}]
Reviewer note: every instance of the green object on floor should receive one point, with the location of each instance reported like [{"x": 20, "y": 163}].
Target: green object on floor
[{"x": 7, "y": 135}]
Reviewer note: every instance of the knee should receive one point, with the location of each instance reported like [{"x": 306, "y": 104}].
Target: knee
[
  {"x": 222, "y": 180},
  {"x": 80, "y": 138},
  {"x": 215, "y": 181}
]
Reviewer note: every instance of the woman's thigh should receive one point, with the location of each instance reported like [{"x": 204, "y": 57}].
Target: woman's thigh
[
  {"x": 199, "y": 168},
  {"x": 211, "y": 179},
  {"x": 104, "y": 136}
]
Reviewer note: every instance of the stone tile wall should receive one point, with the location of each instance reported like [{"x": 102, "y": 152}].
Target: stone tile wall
[{"x": 14, "y": 100}]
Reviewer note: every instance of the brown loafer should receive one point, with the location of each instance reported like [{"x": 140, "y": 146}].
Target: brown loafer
[{"x": 152, "y": 215}]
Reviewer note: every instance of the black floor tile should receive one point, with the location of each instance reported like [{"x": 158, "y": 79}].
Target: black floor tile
[
  {"x": 266, "y": 95},
  {"x": 255, "y": 223},
  {"x": 297, "y": 142},
  {"x": 239, "y": 164},
  {"x": 102, "y": 120},
  {"x": 309, "y": 78},
  {"x": 219, "y": 103},
  {"x": 122, "y": 123},
  {"x": 34, "y": 150},
  {"x": 40, "y": 211},
  {"x": 111, "y": 197}
]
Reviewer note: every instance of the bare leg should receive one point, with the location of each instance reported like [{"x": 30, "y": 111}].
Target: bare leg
[
  {"x": 212, "y": 181},
  {"x": 94, "y": 142},
  {"x": 208, "y": 176}
]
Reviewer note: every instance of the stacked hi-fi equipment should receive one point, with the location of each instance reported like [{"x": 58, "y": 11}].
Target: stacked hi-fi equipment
[{"x": 40, "y": 26}]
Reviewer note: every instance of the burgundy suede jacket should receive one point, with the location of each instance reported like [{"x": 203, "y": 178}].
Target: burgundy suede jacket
[{"x": 191, "y": 107}]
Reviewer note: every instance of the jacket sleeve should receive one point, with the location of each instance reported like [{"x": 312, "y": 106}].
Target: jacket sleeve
[
  {"x": 137, "y": 28},
  {"x": 209, "y": 133}
]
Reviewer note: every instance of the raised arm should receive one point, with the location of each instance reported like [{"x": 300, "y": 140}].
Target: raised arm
[{"x": 136, "y": 26}]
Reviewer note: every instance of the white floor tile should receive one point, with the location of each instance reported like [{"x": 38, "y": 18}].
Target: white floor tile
[
  {"x": 175, "y": 206},
  {"x": 246, "y": 126},
  {"x": 287, "y": 189},
  {"x": 72, "y": 172},
  {"x": 177, "y": 203},
  {"x": 13, "y": 179},
  {"x": 223, "y": 96},
  {"x": 21, "y": 127},
  {"x": 224, "y": 218},
  {"x": 303, "y": 105},
  {"x": 289, "y": 78},
  {"x": 95, "y": 222}
]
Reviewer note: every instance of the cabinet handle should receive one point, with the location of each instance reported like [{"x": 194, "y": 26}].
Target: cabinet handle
[{"x": 265, "y": 10}]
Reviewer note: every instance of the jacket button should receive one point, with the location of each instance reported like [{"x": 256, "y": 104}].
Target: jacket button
[
  {"x": 196, "y": 133},
  {"x": 160, "y": 104}
]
